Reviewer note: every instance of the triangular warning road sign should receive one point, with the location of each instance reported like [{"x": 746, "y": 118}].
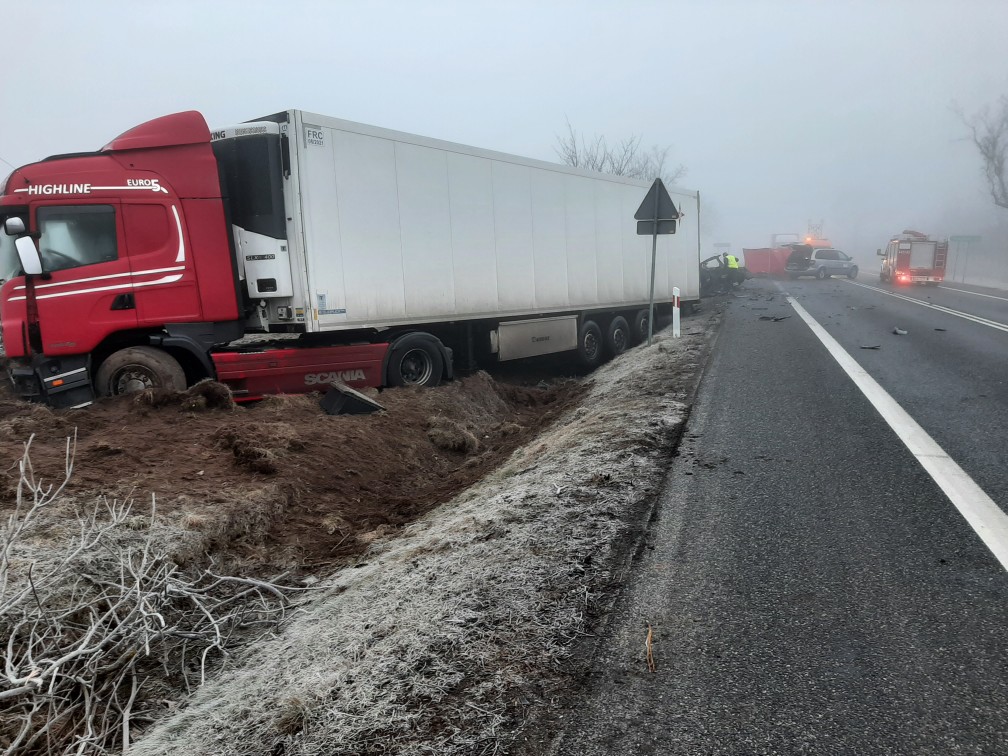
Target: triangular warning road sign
[{"x": 665, "y": 210}]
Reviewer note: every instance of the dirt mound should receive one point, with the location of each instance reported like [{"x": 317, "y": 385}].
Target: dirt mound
[{"x": 281, "y": 485}]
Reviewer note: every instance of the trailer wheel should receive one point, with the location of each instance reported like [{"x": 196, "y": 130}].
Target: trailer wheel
[
  {"x": 617, "y": 336},
  {"x": 137, "y": 368},
  {"x": 589, "y": 347},
  {"x": 852, "y": 273},
  {"x": 415, "y": 360},
  {"x": 640, "y": 326}
]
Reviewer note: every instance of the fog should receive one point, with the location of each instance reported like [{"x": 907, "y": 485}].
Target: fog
[{"x": 784, "y": 113}]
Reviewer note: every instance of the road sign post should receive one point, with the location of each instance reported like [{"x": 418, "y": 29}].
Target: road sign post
[{"x": 656, "y": 215}]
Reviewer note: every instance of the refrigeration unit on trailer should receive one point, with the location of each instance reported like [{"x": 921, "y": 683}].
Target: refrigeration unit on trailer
[{"x": 296, "y": 250}]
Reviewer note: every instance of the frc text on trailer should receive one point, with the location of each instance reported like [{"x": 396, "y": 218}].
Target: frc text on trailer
[{"x": 376, "y": 257}]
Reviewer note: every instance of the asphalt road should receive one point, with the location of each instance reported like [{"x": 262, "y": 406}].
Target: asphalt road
[
  {"x": 953, "y": 381},
  {"x": 809, "y": 586}
]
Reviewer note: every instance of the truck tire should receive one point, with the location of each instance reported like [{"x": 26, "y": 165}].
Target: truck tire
[
  {"x": 852, "y": 273},
  {"x": 821, "y": 274},
  {"x": 617, "y": 337},
  {"x": 136, "y": 369},
  {"x": 640, "y": 327},
  {"x": 589, "y": 347},
  {"x": 415, "y": 360}
]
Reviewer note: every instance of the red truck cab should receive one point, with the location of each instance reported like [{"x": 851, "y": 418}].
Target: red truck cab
[{"x": 134, "y": 250}]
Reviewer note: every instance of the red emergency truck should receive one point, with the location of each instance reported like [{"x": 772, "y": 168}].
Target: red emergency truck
[{"x": 913, "y": 258}]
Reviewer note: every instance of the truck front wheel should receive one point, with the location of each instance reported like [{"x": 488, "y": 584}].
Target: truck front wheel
[
  {"x": 137, "y": 368},
  {"x": 415, "y": 360}
]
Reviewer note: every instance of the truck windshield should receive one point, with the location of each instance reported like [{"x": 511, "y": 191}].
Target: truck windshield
[{"x": 76, "y": 236}]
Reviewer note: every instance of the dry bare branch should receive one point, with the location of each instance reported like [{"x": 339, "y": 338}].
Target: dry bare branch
[
  {"x": 96, "y": 629},
  {"x": 989, "y": 133},
  {"x": 627, "y": 158}
]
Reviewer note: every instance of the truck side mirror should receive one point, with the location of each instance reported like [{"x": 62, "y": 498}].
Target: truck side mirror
[
  {"x": 31, "y": 263},
  {"x": 880, "y": 253},
  {"x": 14, "y": 226}
]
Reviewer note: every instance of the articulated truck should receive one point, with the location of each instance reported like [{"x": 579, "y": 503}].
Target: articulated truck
[{"x": 297, "y": 250}]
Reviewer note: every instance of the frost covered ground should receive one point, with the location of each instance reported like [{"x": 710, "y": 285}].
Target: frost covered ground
[{"x": 456, "y": 634}]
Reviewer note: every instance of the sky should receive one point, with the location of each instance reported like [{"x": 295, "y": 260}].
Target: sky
[{"x": 784, "y": 113}]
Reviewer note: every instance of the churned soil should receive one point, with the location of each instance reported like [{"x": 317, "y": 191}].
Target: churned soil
[{"x": 279, "y": 485}]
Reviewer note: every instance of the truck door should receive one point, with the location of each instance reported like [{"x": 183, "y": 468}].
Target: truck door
[
  {"x": 164, "y": 287},
  {"x": 80, "y": 299}
]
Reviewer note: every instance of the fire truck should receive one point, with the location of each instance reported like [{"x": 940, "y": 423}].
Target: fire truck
[{"x": 913, "y": 258}]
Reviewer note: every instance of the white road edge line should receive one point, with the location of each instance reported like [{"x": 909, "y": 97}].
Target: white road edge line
[
  {"x": 947, "y": 310},
  {"x": 979, "y": 510},
  {"x": 974, "y": 293}
]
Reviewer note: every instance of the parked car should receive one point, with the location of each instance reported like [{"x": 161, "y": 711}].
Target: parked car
[{"x": 821, "y": 262}]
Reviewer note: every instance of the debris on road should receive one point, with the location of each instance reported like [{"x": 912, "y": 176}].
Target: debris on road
[
  {"x": 941, "y": 329},
  {"x": 871, "y": 346},
  {"x": 648, "y": 643},
  {"x": 774, "y": 318},
  {"x": 899, "y": 331}
]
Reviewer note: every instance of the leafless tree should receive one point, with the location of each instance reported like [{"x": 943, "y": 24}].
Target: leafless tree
[
  {"x": 624, "y": 158},
  {"x": 989, "y": 132}
]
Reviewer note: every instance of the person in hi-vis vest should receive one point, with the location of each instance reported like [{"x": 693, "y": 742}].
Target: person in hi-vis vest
[{"x": 735, "y": 275}]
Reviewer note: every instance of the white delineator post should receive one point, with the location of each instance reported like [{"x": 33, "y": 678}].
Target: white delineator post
[{"x": 675, "y": 312}]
